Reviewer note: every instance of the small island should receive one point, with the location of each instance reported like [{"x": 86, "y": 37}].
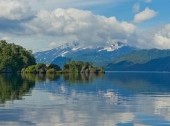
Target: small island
[
  {"x": 81, "y": 67},
  {"x": 15, "y": 58},
  {"x": 71, "y": 67}
]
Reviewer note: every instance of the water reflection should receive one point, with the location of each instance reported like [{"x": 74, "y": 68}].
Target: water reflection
[
  {"x": 40, "y": 77},
  {"x": 13, "y": 87},
  {"x": 81, "y": 77},
  {"x": 113, "y": 99},
  {"x": 141, "y": 82}
]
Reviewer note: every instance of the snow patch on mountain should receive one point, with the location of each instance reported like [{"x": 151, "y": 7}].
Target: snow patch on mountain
[
  {"x": 64, "y": 53},
  {"x": 113, "y": 47},
  {"x": 74, "y": 51}
]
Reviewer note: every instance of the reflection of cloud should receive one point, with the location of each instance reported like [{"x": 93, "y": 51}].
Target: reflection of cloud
[
  {"x": 111, "y": 97},
  {"x": 156, "y": 107},
  {"x": 162, "y": 107},
  {"x": 56, "y": 104},
  {"x": 79, "y": 25},
  {"x": 60, "y": 110}
]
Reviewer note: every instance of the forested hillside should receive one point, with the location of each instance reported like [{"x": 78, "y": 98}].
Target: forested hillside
[{"x": 14, "y": 57}]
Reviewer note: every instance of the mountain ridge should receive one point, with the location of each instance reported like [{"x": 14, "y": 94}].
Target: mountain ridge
[
  {"x": 114, "y": 57},
  {"x": 99, "y": 55},
  {"x": 161, "y": 64}
]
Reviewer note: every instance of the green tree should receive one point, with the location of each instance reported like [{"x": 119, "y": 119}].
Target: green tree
[
  {"x": 81, "y": 67},
  {"x": 14, "y": 57}
]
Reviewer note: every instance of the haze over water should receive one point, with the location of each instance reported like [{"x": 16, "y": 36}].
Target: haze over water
[{"x": 113, "y": 99}]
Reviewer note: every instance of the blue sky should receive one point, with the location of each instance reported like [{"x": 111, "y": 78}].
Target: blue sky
[
  {"x": 124, "y": 11},
  {"x": 43, "y": 24}
]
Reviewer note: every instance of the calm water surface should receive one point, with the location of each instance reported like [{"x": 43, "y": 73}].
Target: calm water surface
[{"x": 113, "y": 99}]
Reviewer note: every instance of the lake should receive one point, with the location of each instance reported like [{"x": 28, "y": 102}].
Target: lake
[{"x": 113, "y": 99}]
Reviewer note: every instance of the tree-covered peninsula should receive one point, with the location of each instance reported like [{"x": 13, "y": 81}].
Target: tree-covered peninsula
[{"x": 14, "y": 57}]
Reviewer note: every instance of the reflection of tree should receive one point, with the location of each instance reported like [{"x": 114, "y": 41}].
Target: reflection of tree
[
  {"x": 34, "y": 77},
  {"x": 81, "y": 77},
  {"x": 14, "y": 87},
  {"x": 52, "y": 77},
  {"x": 40, "y": 77}
]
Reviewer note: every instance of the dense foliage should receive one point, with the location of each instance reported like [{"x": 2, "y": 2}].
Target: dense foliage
[
  {"x": 81, "y": 67},
  {"x": 13, "y": 57}
]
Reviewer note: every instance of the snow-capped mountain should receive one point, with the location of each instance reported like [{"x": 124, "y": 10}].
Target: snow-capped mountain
[{"x": 99, "y": 55}]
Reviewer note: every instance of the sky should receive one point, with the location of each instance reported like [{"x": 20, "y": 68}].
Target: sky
[{"x": 45, "y": 24}]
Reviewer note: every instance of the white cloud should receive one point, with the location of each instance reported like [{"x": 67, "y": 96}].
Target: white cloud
[
  {"x": 13, "y": 10},
  {"x": 144, "y": 15},
  {"x": 73, "y": 3},
  {"x": 53, "y": 4},
  {"x": 79, "y": 25},
  {"x": 162, "y": 37},
  {"x": 38, "y": 5},
  {"x": 152, "y": 38},
  {"x": 53, "y": 28},
  {"x": 21, "y": 9}
]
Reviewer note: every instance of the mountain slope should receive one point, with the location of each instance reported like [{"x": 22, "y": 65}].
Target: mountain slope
[
  {"x": 73, "y": 51},
  {"x": 60, "y": 61},
  {"x": 161, "y": 64},
  {"x": 143, "y": 56},
  {"x": 49, "y": 55}
]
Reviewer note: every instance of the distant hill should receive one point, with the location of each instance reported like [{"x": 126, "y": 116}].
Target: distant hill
[
  {"x": 142, "y": 56},
  {"x": 161, "y": 64},
  {"x": 114, "y": 57}
]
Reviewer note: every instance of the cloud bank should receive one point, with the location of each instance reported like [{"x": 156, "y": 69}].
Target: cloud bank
[
  {"x": 152, "y": 38},
  {"x": 13, "y": 10},
  {"x": 38, "y": 21},
  {"x": 79, "y": 25}
]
